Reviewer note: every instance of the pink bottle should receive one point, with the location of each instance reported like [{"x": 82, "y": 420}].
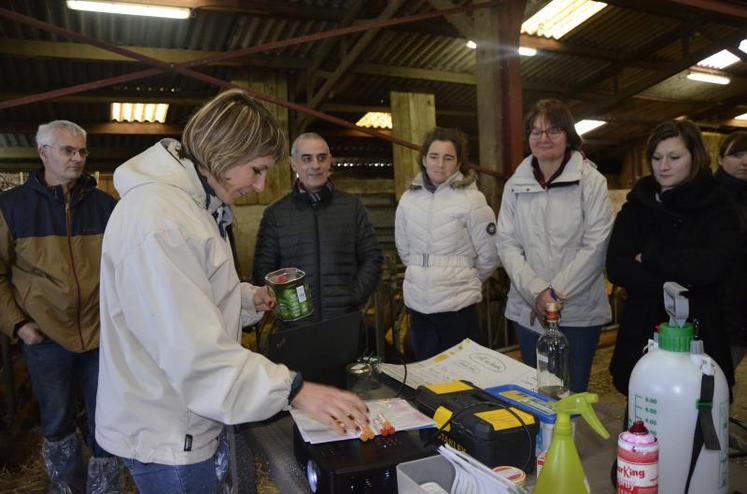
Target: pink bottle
[{"x": 637, "y": 461}]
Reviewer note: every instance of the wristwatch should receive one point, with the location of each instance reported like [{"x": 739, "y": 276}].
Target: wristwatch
[{"x": 296, "y": 386}]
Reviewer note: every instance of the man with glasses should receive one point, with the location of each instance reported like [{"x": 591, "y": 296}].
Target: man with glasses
[
  {"x": 322, "y": 231},
  {"x": 50, "y": 249}
]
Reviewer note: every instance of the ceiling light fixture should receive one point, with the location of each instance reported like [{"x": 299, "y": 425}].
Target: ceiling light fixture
[
  {"x": 743, "y": 116},
  {"x": 709, "y": 78},
  {"x": 559, "y": 17},
  {"x": 585, "y": 126},
  {"x": 724, "y": 58},
  {"x": 525, "y": 51},
  {"x": 130, "y": 9},
  {"x": 139, "y": 112},
  {"x": 471, "y": 44},
  {"x": 375, "y": 120}
]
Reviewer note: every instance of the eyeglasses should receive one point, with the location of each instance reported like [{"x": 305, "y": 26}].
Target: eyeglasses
[
  {"x": 69, "y": 151},
  {"x": 552, "y": 133}
]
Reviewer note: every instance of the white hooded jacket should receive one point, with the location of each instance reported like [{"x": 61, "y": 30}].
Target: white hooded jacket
[
  {"x": 172, "y": 371},
  {"x": 556, "y": 237},
  {"x": 446, "y": 240}
]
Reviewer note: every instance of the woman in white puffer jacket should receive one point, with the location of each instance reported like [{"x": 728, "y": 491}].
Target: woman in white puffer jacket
[{"x": 444, "y": 230}]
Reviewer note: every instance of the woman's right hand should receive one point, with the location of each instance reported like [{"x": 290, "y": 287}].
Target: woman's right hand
[
  {"x": 334, "y": 407},
  {"x": 544, "y": 298},
  {"x": 30, "y": 333}
]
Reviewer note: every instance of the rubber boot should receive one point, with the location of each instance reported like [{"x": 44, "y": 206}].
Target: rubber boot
[
  {"x": 64, "y": 465},
  {"x": 105, "y": 475}
]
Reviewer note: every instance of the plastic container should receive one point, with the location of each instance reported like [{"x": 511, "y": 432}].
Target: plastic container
[
  {"x": 359, "y": 379},
  {"x": 665, "y": 393},
  {"x": 537, "y": 404},
  {"x": 563, "y": 472},
  {"x": 291, "y": 292},
  {"x": 514, "y": 474}
]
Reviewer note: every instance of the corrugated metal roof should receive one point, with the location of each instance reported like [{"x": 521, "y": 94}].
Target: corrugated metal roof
[{"x": 435, "y": 45}]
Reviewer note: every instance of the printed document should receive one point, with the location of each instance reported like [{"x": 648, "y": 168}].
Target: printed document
[{"x": 468, "y": 361}]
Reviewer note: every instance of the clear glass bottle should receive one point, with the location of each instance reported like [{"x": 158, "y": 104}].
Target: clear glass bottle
[{"x": 553, "y": 357}]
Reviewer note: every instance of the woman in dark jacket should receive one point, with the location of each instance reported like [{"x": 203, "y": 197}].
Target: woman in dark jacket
[{"x": 677, "y": 225}]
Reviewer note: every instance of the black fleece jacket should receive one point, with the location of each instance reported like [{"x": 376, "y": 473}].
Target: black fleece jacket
[
  {"x": 690, "y": 235},
  {"x": 331, "y": 240}
]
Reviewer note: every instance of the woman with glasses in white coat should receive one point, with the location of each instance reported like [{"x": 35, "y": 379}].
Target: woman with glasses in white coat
[{"x": 553, "y": 227}]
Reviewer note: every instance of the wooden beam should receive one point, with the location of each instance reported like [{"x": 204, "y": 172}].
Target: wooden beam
[
  {"x": 101, "y": 128},
  {"x": 740, "y": 124},
  {"x": 352, "y": 133},
  {"x": 512, "y": 15},
  {"x": 731, "y": 106},
  {"x": 270, "y": 8},
  {"x": 661, "y": 41},
  {"x": 564, "y": 48},
  {"x": 412, "y": 73},
  {"x": 369, "y": 186},
  {"x": 667, "y": 71},
  {"x": 82, "y": 51},
  {"x": 413, "y": 116},
  {"x": 355, "y": 108},
  {"x": 360, "y": 45},
  {"x": 490, "y": 87},
  {"x": 442, "y": 76},
  {"x": 29, "y": 152},
  {"x": 461, "y": 22},
  {"x": 173, "y": 99},
  {"x": 326, "y": 47}
]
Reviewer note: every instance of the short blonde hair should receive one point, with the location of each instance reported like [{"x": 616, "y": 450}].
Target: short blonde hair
[{"x": 231, "y": 129}]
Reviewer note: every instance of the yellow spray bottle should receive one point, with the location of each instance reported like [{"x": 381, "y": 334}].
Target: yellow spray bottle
[{"x": 562, "y": 472}]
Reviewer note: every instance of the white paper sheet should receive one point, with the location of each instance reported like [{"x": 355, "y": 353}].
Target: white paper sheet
[
  {"x": 469, "y": 361},
  {"x": 397, "y": 411}
]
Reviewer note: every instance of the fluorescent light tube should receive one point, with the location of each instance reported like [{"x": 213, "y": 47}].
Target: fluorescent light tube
[
  {"x": 585, "y": 126},
  {"x": 130, "y": 9},
  {"x": 709, "y": 78}
]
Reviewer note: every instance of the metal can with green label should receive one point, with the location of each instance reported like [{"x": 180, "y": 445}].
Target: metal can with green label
[{"x": 291, "y": 293}]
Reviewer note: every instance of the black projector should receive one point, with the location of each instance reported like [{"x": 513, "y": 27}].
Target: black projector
[{"x": 356, "y": 467}]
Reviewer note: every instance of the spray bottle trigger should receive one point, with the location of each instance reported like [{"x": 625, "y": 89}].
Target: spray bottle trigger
[{"x": 581, "y": 403}]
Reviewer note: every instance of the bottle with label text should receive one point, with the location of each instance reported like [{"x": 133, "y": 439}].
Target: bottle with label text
[
  {"x": 553, "y": 357},
  {"x": 637, "y": 461}
]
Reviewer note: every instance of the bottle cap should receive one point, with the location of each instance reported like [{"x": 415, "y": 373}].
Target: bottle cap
[
  {"x": 640, "y": 437},
  {"x": 674, "y": 338}
]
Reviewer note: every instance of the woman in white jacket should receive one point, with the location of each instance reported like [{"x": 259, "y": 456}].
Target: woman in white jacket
[
  {"x": 172, "y": 370},
  {"x": 444, "y": 231},
  {"x": 553, "y": 227}
]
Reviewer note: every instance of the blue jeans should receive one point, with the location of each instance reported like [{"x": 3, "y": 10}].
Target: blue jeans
[
  {"x": 205, "y": 477},
  {"x": 431, "y": 334},
  {"x": 56, "y": 374},
  {"x": 583, "y": 342}
]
